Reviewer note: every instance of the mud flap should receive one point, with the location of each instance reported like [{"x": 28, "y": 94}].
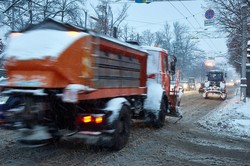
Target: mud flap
[
  {"x": 178, "y": 119},
  {"x": 177, "y": 113},
  {"x": 38, "y": 136}
]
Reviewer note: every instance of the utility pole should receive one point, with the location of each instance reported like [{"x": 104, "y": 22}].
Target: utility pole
[
  {"x": 30, "y": 11},
  {"x": 243, "y": 84},
  {"x": 12, "y": 15},
  {"x": 85, "y": 22}
]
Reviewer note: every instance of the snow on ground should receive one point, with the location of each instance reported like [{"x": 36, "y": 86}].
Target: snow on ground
[{"x": 232, "y": 118}]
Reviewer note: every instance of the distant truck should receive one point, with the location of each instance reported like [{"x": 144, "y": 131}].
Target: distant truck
[
  {"x": 191, "y": 83},
  {"x": 188, "y": 85},
  {"x": 75, "y": 83},
  {"x": 215, "y": 84}
]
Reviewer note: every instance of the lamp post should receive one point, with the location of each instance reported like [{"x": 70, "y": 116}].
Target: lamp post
[
  {"x": 85, "y": 21},
  {"x": 243, "y": 84}
]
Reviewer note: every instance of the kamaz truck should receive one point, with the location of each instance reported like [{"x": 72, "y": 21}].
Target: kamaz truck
[{"x": 72, "y": 82}]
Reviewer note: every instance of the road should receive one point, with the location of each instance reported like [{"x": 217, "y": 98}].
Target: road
[{"x": 183, "y": 143}]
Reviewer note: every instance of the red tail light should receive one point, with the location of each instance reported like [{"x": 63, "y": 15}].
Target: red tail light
[
  {"x": 93, "y": 119},
  {"x": 98, "y": 119},
  {"x": 87, "y": 119}
]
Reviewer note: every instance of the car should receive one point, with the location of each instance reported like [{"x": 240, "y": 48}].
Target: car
[
  {"x": 201, "y": 87},
  {"x": 6, "y": 104},
  {"x": 191, "y": 83},
  {"x": 184, "y": 85}
]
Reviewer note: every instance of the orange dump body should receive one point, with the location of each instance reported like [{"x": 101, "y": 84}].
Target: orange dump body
[
  {"x": 105, "y": 65},
  {"x": 67, "y": 68}
]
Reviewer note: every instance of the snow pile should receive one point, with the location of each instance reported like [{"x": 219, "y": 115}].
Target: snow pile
[
  {"x": 232, "y": 119},
  {"x": 38, "y": 133}
]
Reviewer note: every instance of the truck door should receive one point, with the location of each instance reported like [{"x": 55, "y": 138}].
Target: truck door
[{"x": 164, "y": 69}]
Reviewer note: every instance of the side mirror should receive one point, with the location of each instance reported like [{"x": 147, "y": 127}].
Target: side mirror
[
  {"x": 172, "y": 65},
  {"x": 172, "y": 68}
]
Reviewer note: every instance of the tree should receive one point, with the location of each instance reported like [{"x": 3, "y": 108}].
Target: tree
[
  {"x": 127, "y": 33},
  {"x": 147, "y": 38},
  {"x": 230, "y": 21},
  {"x": 179, "y": 43},
  {"x": 20, "y": 13},
  {"x": 186, "y": 50},
  {"x": 163, "y": 39},
  {"x": 106, "y": 19}
]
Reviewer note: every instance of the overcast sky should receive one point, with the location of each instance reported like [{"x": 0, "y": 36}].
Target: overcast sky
[{"x": 153, "y": 16}]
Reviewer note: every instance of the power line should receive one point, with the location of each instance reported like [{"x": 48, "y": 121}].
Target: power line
[
  {"x": 181, "y": 13},
  {"x": 187, "y": 20},
  {"x": 190, "y": 12},
  {"x": 161, "y": 22},
  {"x": 197, "y": 23}
]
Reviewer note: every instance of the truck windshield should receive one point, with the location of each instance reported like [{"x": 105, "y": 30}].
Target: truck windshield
[{"x": 215, "y": 77}]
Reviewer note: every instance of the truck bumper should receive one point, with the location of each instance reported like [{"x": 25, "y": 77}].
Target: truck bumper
[{"x": 90, "y": 137}]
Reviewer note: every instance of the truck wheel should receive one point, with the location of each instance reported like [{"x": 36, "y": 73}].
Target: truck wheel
[
  {"x": 204, "y": 95},
  {"x": 160, "y": 120},
  {"x": 122, "y": 129}
]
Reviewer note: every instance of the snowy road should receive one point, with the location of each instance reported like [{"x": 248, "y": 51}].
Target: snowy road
[{"x": 183, "y": 143}]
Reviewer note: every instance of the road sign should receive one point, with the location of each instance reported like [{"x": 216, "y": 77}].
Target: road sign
[
  {"x": 210, "y": 58},
  {"x": 209, "y": 14},
  {"x": 143, "y": 1},
  {"x": 208, "y": 22}
]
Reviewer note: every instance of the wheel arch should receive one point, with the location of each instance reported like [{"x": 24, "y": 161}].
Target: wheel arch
[{"x": 114, "y": 106}]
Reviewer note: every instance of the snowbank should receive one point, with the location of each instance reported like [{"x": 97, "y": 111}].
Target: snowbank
[{"x": 233, "y": 118}]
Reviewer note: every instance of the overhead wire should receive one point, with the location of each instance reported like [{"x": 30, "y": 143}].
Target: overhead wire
[
  {"x": 184, "y": 17},
  {"x": 198, "y": 24},
  {"x": 187, "y": 20},
  {"x": 180, "y": 13},
  {"x": 173, "y": 20}
]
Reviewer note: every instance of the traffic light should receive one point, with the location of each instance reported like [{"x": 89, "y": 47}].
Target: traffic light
[{"x": 143, "y": 1}]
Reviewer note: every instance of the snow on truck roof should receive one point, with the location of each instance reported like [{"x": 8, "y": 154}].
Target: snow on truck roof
[
  {"x": 216, "y": 71},
  {"x": 150, "y": 48},
  {"x": 38, "y": 44},
  {"x": 38, "y": 41}
]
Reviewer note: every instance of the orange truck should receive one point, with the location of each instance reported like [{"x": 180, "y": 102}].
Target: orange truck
[{"x": 72, "y": 82}]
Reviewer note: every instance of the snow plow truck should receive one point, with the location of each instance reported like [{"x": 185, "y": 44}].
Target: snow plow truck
[
  {"x": 72, "y": 82},
  {"x": 215, "y": 84}
]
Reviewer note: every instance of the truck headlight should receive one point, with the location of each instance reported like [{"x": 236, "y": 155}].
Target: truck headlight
[
  {"x": 207, "y": 84},
  {"x": 222, "y": 85},
  {"x": 185, "y": 86}
]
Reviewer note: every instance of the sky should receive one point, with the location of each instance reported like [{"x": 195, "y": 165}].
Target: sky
[{"x": 153, "y": 17}]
